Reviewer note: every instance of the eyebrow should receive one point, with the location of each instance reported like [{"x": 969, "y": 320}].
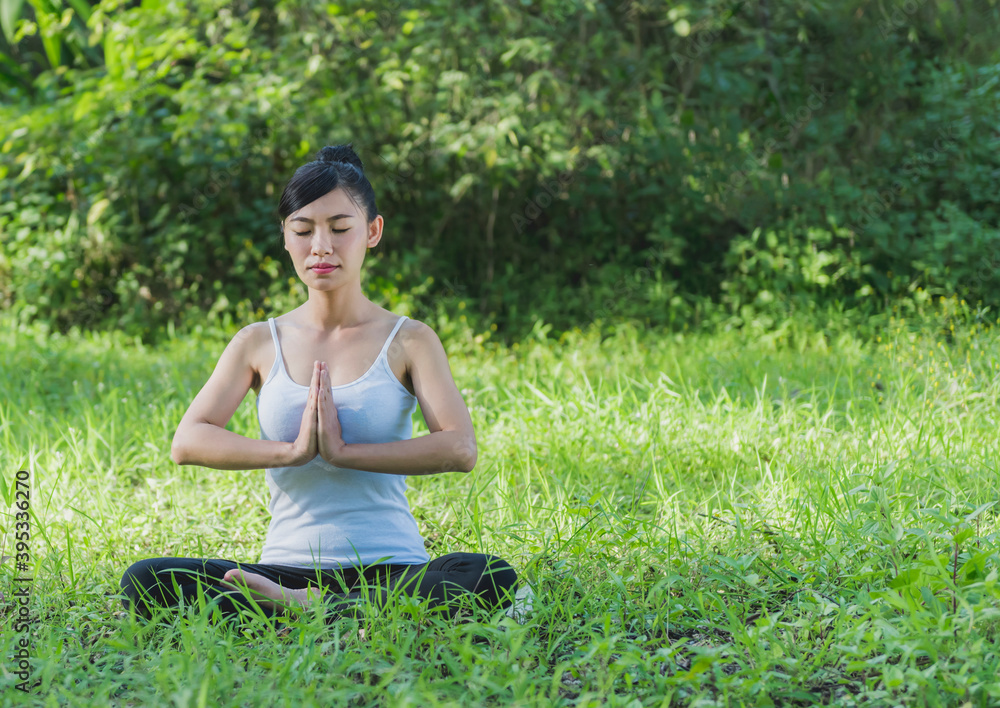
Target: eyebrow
[{"x": 332, "y": 218}]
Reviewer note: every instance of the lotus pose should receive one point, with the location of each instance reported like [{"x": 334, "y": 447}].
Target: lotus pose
[{"x": 337, "y": 380}]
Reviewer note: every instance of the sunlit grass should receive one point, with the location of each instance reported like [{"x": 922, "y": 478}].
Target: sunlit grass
[{"x": 701, "y": 517}]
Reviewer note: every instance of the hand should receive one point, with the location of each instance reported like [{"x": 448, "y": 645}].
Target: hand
[
  {"x": 331, "y": 441},
  {"x": 306, "y": 445}
]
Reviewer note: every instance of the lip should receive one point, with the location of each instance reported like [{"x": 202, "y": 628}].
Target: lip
[{"x": 323, "y": 268}]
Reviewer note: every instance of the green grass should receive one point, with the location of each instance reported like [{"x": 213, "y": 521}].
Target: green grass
[{"x": 703, "y": 519}]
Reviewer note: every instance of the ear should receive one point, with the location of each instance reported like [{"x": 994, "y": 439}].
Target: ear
[{"x": 375, "y": 231}]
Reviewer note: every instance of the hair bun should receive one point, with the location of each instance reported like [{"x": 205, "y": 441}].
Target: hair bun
[{"x": 340, "y": 153}]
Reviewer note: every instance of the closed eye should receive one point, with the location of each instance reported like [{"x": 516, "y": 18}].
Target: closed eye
[{"x": 306, "y": 233}]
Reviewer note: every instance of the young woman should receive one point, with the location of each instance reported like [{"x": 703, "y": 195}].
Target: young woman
[{"x": 337, "y": 380}]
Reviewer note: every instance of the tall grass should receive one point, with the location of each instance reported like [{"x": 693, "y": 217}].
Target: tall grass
[{"x": 700, "y": 518}]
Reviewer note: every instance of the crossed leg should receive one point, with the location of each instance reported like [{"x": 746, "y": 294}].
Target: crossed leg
[
  {"x": 169, "y": 582},
  {"x": 233, "y": 586},
  {"x": 447, "y": 582}
]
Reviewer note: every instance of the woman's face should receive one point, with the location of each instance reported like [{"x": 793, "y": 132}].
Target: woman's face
[{"x": 328, "y": 238}]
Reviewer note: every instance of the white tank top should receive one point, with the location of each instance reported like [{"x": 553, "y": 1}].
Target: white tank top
[{"x": 325, "y": 516}]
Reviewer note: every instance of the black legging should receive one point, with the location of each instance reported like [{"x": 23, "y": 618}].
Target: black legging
[{"x": 486, "y": 580}]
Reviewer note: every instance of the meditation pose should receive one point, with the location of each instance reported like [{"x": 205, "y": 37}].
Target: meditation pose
[{"x": 337, "y": 380}]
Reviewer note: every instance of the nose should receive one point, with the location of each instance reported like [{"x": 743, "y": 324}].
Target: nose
[{"x": 322, "y": 241}]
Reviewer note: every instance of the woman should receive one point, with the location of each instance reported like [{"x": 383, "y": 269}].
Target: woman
[{"x": 337, "y": 380}]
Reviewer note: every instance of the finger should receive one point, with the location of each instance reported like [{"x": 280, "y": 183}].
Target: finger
[
  {"x": 314, "y": 386},
  {"x": 320, "y": 406}
]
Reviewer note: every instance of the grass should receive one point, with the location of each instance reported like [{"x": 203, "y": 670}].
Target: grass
[{"x": 703, "y": 519}]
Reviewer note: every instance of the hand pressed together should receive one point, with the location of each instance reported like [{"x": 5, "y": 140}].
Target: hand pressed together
[
  {"x": 319, "y": 433},
  {"x": 331, "y": 441}
]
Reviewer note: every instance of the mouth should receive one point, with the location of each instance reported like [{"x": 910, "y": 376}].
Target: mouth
[{"x": 325, "y": 268}]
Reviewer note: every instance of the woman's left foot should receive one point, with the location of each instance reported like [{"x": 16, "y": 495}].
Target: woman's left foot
[{"x": 267, "y": 593}]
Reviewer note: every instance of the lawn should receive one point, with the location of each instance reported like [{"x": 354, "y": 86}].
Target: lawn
[{"x": 709, "y": 518}]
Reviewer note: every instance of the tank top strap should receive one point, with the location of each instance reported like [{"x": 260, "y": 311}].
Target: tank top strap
[
  {"x": 274, "y": 336},
  {"x": 279, "y": 364},
  {"x": 388, "y": 341}
]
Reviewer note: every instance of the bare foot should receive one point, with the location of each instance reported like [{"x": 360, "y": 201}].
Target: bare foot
[{"x": 267, "y": 593}]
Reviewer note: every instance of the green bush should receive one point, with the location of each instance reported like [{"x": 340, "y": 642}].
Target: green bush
[{"x": 562, "y": 162}]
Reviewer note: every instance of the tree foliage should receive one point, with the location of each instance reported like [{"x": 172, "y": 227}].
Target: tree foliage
[{"x": 555, "y": 161}]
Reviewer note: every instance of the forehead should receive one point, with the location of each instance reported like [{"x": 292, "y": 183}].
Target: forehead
[{"x": 333, "y": 203}]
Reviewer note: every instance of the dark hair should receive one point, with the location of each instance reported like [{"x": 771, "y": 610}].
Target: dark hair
[{"x": 334, "y": 166}]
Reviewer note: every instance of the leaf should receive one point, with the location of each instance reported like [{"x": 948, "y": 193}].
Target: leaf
[
  {"x": 11, "y": 73},
  {"x": 541, "y": 395},
  {"x": 51, "y": 40},
  {"x": 96, "y": 210},
  {"x": 963, "y": 536},
  {"x": 82, "y": 9},
  {"x": 980, "y": 510},
  {"x": 112, "y": 59},
  {"x": 932, "y": 602},
  {"x": 702, "y": 665},
  {"x": 10, "y": 13},
  {"x": 907, "y": 577},
  {"x": 460, "y": 187}
]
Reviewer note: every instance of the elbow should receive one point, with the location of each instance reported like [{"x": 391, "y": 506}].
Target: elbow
[
  {"x": 467, "y": 457},
  {"x": 177, "y": 452}
]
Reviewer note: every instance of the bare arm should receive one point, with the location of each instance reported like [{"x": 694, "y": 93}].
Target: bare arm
[
  {"x": 202, "y": 438},
  {"x": 451, "y": 443}
]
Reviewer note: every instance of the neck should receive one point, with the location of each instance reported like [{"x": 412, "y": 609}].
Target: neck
[{"x": 335, "y": 309}]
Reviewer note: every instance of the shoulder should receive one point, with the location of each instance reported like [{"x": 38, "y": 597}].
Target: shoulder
[
  {"x": 417, "y": 346},
  {"x": 248, "y": 350},
  {"x": 414, "y": 335},
  {"x": 249, "y": 345},
  {"x": 251, "y": 337},
  {"x": 429, "y": 373}
]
